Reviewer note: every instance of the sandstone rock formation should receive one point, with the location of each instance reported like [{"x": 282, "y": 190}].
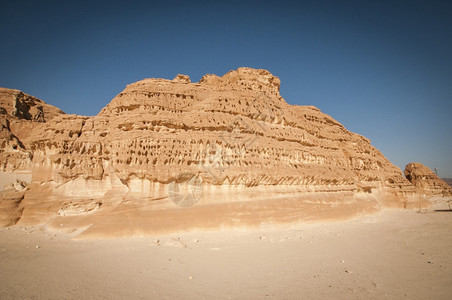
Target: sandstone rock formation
[
  {"x": 426, "y": 181},
  {"x": 19, "y": 115},
  {"x": 231, "y": 144}
]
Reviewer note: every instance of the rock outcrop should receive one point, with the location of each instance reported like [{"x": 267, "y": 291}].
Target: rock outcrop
[
  {"x": 231, "y": 144},
  {"x": 427, "y": 182},
  {"x": 19, "y": 115}
]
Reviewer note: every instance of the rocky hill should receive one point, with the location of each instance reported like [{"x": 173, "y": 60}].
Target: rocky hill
[
  {"x": 233, "y": 130},
  {"x": 426, "y": 181},
  {"x": 231, "y": 144},
  {"x": 19, "y": 115}
]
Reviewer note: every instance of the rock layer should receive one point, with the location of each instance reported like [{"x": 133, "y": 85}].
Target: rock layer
[
  {"x": 230, "y": 144},
  {"x": 427, "y": 182}
]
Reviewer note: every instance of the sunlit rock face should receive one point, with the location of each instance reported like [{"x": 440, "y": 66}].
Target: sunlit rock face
[
  {"x": 222, "y": 140},
  {"x": 230, "y": 130},
  {"x": 20, "y": 114},
  {"x": 427, "y": 182}
]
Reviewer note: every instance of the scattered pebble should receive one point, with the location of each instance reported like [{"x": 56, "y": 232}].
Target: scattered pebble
[
  {"x": 342, "y": 261},
  {"x": 195, "y": 240},
  {"x": 190, "y": 277},
  {"x": 37, "y": 247}
]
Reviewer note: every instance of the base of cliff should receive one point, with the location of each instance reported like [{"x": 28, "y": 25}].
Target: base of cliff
[{"x": 121, "y": 213}]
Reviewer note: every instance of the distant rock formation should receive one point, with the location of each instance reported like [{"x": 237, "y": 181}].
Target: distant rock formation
[
  {"x": 225, "y": 143},
  {"x": 447, "y": 180},
  {"x": 19, "y": 115},
  {"x": 426, "y": 181}
]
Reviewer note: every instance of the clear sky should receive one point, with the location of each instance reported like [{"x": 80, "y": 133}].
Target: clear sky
[{"x": 381, "y": 68}]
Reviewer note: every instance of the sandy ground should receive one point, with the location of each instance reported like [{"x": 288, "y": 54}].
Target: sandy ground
[{"x": 394, "y": 254}]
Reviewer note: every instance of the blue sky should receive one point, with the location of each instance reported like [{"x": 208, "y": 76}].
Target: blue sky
[{"x": 381, "y": 68}]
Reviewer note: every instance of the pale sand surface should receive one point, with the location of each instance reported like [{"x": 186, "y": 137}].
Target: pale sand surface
[
  {"x": 393, "y": 254},
  {"x": 7, "y": 178}
]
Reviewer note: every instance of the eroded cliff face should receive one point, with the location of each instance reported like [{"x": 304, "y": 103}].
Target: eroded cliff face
[
  {"x": 230, "y": 130},
  {"x": 20, "y": 113},
  {"x": 222, "y": 140},
  {"x": 426, "y": 181}
]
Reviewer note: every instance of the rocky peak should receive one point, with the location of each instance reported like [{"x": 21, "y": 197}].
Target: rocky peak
[
  {"x": 19, "y": 113},
  {"x": 254, "y": 79},
  {"x": 182, "y": 78},
  {"x": 20, "y": 105}
]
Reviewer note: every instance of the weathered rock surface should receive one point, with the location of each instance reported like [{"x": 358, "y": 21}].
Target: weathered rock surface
[
  {"x": 230, "y": 144},
  {"x": 426, "y": 181},
  {"x": 19, "y": 115}
]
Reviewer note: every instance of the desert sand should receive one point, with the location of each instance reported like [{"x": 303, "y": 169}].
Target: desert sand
[{"x": 393, "y": 254}]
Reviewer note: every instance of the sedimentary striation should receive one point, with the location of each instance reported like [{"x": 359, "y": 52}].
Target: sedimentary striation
[
  {"x": 230, "y": 144},
  {"x": 427, "y": 182}
]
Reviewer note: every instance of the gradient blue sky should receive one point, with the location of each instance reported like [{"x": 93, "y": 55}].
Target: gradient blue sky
[{"x": 381, "y": 68}]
